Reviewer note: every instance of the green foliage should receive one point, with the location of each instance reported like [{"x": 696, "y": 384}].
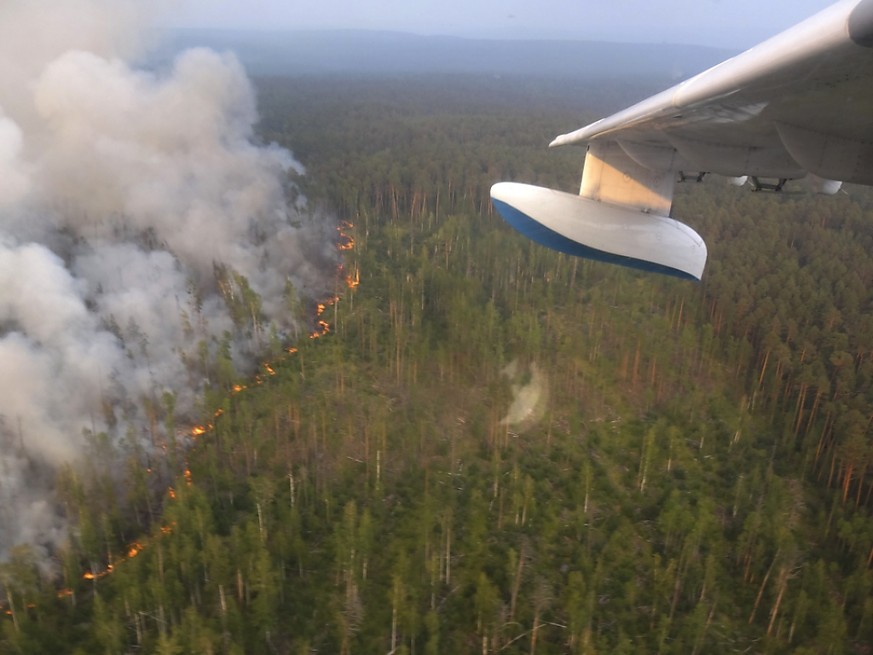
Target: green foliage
[{"x": 697, "y": 480}]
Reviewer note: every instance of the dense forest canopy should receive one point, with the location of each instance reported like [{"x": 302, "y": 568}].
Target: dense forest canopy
[{"x": 496, "y": 447}]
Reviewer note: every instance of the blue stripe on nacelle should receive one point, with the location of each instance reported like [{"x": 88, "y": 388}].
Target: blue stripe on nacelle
[{"x": 538, "y": 232}]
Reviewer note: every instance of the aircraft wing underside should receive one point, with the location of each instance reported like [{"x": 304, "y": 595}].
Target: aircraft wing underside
[{"x": 799, "y": 105}]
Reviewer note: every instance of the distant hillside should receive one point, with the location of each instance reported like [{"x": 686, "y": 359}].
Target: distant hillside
[{"x": 366, "y": 52}]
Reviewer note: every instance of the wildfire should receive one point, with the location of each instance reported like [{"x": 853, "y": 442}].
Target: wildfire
[
  {"x": 29, "y": 606},
  {"x": 345, "y": 242},
  {"x": 90, "y": 575},
  {"x": 322, "y": 328},
  {"x": 133, "y": 550},
  {"x": 330, "y": 302}
]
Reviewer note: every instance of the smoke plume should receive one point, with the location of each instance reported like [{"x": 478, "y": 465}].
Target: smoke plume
[{"x": 140, "y": 223}]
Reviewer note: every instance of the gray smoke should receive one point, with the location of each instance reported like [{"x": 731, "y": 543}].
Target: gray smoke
[{"x": 139, "y": 221}]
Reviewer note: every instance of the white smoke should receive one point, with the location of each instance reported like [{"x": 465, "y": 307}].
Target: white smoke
[{"x": 133, "y": 204}]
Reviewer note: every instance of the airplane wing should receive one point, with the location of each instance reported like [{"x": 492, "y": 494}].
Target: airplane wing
[{"x": 799, "y": 105}]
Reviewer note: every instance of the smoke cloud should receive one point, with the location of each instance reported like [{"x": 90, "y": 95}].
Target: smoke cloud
[{"x": 140, "y": 222}]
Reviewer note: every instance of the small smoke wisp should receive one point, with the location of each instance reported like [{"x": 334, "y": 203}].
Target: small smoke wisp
[
  {"x": 530, "y": 395},
  {"x": 140, "y": 225}
]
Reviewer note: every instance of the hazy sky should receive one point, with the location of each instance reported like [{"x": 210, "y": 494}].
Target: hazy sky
[{"x": 723, "y": 23}]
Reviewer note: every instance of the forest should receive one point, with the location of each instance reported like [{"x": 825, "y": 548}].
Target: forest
[{"x": 491, "y": 447}]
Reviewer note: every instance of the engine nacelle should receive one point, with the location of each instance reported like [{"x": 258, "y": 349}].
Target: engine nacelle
[{"x": 821, "y": 185}]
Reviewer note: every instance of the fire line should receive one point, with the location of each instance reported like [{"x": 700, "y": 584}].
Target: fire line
[{"x": 344, "y": 243}]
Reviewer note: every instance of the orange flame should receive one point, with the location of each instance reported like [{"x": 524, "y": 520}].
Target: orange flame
[
  {"x": 323, "y": 305},
  {"x": 322, "y": 329},
  {"x": 346, "y": 242},
  {"x": 90, "y": 575}
]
